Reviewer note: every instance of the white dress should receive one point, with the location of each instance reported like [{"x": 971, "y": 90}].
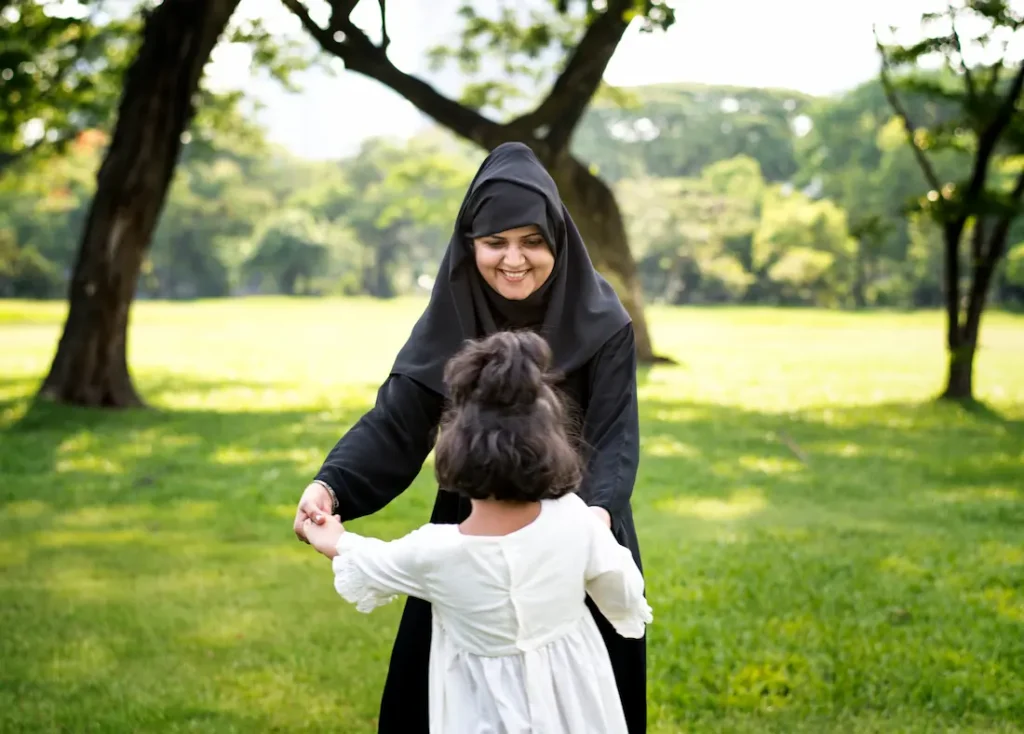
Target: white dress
[{"x": 514, "y": 649}]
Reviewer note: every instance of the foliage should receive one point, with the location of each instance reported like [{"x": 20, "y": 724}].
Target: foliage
[
  {"x": 512, "y": 55},
  {"x": 670, "y": 130},
  {"x": 61, "y": 66},
  {"x": 976, "y": 105},
  {"x": 804, "y": 248},
  {"x": 691, "y": 209},
  {"x": 400, "y": 203},
  {"x": 876, "y": 587},
  {"x": 690, "y": 239},
  {"x": 60, "y": 72}
]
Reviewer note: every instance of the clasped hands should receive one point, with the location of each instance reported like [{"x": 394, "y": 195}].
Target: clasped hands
[{"x": 314, "y": 523}]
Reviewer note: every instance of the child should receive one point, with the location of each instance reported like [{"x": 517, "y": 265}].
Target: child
[{"x": 513, "y": 647}]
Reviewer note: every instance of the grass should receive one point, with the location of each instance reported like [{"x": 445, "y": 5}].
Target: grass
[{"x": 827, "y": 550}]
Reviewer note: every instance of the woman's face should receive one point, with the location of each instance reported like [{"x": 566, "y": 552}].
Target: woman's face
[{"x": 515, "y": 262}]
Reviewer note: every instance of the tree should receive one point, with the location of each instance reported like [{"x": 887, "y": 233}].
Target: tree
[
  {"x": 802, "y": 251},
  {"x": 548, "y": 127},
  {"x": 692, "y": 236},
  {"x": 978, "y": 207},
  {"x": 90, "y": 366},
  {"x": 399, "y": 201}
]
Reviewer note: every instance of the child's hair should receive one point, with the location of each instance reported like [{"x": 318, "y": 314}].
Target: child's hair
[{"x": 504, "y": 435}]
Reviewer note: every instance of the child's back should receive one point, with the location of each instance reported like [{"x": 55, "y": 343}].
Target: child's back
[
  {"x": 514, "y": 645},
  {"x": 514, "y": 648}
]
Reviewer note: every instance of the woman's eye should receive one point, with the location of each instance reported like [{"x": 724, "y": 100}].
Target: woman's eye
[{"x": 535, "y": 243}]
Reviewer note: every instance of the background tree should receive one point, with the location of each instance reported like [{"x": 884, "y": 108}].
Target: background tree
[
  {"x": 90, "y": 366},
  {"x": 671, "y": 130},
  {"x": 979, "y": 205},
  {"x": 525, "y": 40}
]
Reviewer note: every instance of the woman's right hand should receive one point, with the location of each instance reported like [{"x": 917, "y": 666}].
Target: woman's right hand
[{"x": 316, "y": 505}]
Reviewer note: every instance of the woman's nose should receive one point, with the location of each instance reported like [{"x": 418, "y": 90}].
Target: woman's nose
[{"x": 514, "y": 256}]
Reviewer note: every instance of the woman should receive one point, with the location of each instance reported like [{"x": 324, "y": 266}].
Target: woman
[{"x": 515, "y": 260}]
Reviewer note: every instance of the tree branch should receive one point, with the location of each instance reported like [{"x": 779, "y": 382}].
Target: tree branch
[
  {"x": 994, "y": 72},
  {"x": 340, "y": 10},
  {"x": 978, "y": 240},
  {"x": 384, "y": 40},
  {"x": 575, "y": 86},
  {"x": 997, "y": 242},
  {"x": 900, "y": 110},
  {"x": 360, "y": 55},
  {"x": 989, "y": 137},
  {"x": 968, "y": 77}
]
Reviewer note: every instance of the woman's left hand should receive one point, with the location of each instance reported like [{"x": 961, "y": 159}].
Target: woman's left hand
[{"x": 602, "y": 515}]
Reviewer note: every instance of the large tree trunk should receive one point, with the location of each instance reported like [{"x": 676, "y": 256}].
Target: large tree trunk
[
  {"x": 91, "y": 366},
  {"x": 596, "y": 213}
]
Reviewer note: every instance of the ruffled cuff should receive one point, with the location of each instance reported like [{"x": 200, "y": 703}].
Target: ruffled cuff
[{"x": 349, "y": 580}]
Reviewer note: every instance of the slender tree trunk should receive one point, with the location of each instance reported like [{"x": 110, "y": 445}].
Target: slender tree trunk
[
  {"x": 288, "y": 280},
  {"x": 963, "y": 337},
  {"x": 597, "y": 214},
  {"x": 90, "y": 366},
  {"x": 386, "y": 255},
  {"x": 860, "y": 277}
]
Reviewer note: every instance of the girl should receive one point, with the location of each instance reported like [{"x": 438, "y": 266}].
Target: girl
[{"x": 514, "y": 648}]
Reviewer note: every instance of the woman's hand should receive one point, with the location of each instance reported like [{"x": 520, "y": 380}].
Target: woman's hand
[
  {"x": 323, "y": 536},
  {"x": 315, "y": 504}
]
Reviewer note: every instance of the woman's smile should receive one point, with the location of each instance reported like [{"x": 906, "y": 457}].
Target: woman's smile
[{"x": 516, "y": 262}]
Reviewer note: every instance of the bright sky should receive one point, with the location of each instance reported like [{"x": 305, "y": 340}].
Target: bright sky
[{"x": 809, "y": 45}]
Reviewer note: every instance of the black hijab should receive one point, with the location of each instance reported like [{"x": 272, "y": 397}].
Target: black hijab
[{"x": 576, "y": 310}]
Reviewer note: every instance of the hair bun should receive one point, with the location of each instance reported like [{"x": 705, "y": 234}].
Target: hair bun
[{"x": 505, "y": 370}]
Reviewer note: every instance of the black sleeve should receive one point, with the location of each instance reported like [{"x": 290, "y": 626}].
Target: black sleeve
[
  {"x": 611, "y": 426},
  {"x": 380, "y": 456}
]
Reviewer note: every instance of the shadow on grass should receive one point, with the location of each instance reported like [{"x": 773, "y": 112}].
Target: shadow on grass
[
  {"x": 840, "y": 559},
  {"x": 845, "y": 559}
]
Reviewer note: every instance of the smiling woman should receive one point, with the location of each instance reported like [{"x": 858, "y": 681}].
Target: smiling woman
[
  {"x": 515, "y": 261},
  {"x": 513, "y": 244}
]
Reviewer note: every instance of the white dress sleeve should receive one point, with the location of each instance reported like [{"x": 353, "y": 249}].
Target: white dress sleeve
[
  {"x": 369, "y": 572},
  {"x": 615, "y": 583}
]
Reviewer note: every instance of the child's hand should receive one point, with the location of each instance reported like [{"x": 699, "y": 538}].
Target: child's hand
[{"x": 324, "y": 537}]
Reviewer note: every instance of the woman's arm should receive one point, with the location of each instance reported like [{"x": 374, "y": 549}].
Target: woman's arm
[
  {"x": 611, "y": 426},
  {"x": 380, "y": 456}
]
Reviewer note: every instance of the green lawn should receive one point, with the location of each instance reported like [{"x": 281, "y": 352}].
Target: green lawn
[{"x": 826, "y": 549}]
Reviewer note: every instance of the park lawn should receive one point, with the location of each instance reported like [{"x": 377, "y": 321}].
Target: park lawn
[{"x": 826, "y": 549}]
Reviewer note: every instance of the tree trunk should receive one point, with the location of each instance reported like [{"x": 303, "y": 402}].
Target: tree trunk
[
  {"x": 959, "y": 384},
  {"x": 91, "y": 366},
  {"x": 596, "y": 213},
  {"x": 386, "y": 253},
  {"x": 963, "y": 339},
  {"x": 860, "y": 277}
]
